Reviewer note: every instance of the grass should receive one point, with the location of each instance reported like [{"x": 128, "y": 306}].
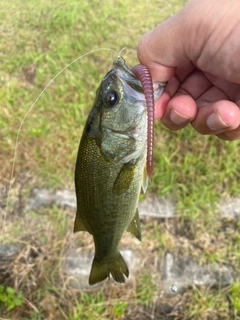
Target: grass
[{"x": 38, "y": 39}]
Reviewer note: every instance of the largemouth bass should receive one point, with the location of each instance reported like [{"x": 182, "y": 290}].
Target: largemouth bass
[{"x": 111, "y": 169}]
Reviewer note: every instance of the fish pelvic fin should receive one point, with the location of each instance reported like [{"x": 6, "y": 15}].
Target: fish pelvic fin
[
  {"x": 145, "y": 180},
  {"x": 78, "y": 224},
  {"x": 117, "y": 267}
]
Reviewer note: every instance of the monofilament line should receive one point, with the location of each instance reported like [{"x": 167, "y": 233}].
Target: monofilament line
[{"x": 24, "y": 118}]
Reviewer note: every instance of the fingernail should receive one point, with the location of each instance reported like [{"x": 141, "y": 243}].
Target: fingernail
[
  {"x": 178, "y": 118},
  {"x": 215, "y": 122}
]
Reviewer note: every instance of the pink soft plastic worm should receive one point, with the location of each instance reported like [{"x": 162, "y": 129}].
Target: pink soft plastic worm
[{"x": 143, "y": 74}]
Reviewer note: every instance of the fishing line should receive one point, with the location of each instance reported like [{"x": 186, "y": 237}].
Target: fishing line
[
  {"x": 24, "y": 118},
  {"x": 119, "y": 55}
]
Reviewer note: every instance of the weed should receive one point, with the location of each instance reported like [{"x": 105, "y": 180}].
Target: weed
[
  {"x": 10, "y": 298},
  {"x": 119, "y": 308},
  {"x": 89, "y": 306},
  {"x": 146, "y": 288},
  {"x": 235, "y": 298}
]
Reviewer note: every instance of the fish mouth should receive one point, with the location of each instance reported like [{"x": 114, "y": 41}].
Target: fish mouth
[{"x": 126, "y": 74}]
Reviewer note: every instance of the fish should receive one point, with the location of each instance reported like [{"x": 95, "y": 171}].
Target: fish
[{"x": 111, "y": 168}]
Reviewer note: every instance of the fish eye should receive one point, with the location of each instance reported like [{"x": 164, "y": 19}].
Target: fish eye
[{"x": 111, "y": 98}]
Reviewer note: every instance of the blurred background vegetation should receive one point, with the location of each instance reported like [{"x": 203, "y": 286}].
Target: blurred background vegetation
[{"x": 37, "y": 40}]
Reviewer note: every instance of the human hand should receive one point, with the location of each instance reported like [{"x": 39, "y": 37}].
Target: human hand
[{"x": 198, "y": 52}]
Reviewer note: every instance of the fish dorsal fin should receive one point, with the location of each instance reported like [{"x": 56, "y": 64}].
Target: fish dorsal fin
[
  {"x": 78, "y": 224},
  {"x": 134, "y": 226},
  {"x": 145, "y": 180},
  {"x": 124, "y": 178}
]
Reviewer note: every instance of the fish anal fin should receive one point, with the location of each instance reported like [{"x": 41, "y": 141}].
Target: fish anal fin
[
  {"x": 78, "y": 224},
  {"x": 124, "y": 178},
  {"x": 116, "y": 266},
  {"x": 134, "y": 226}
]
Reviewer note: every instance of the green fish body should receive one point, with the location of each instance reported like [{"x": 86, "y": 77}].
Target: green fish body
[{"x": 110, "y": 169}]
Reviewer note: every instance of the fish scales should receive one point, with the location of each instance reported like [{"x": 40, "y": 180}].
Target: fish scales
[
  {"x": 110, "y": 169},
  {"x": 102, "y": 204}
]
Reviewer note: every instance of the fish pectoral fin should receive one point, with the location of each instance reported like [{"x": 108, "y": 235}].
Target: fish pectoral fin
[
  {"x": 124, "y": 178},
  {"x": 116, "y": 266},
  {"x": 134, "y": 226},
  {"x": 145, "y": 180},
  {"x": 78, "y": 224}
]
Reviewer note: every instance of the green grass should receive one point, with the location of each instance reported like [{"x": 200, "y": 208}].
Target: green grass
[{"x": 38, "y": 39}]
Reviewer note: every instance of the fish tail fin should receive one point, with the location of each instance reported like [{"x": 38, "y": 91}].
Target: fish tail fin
[{"x": 116, "y": 266}]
